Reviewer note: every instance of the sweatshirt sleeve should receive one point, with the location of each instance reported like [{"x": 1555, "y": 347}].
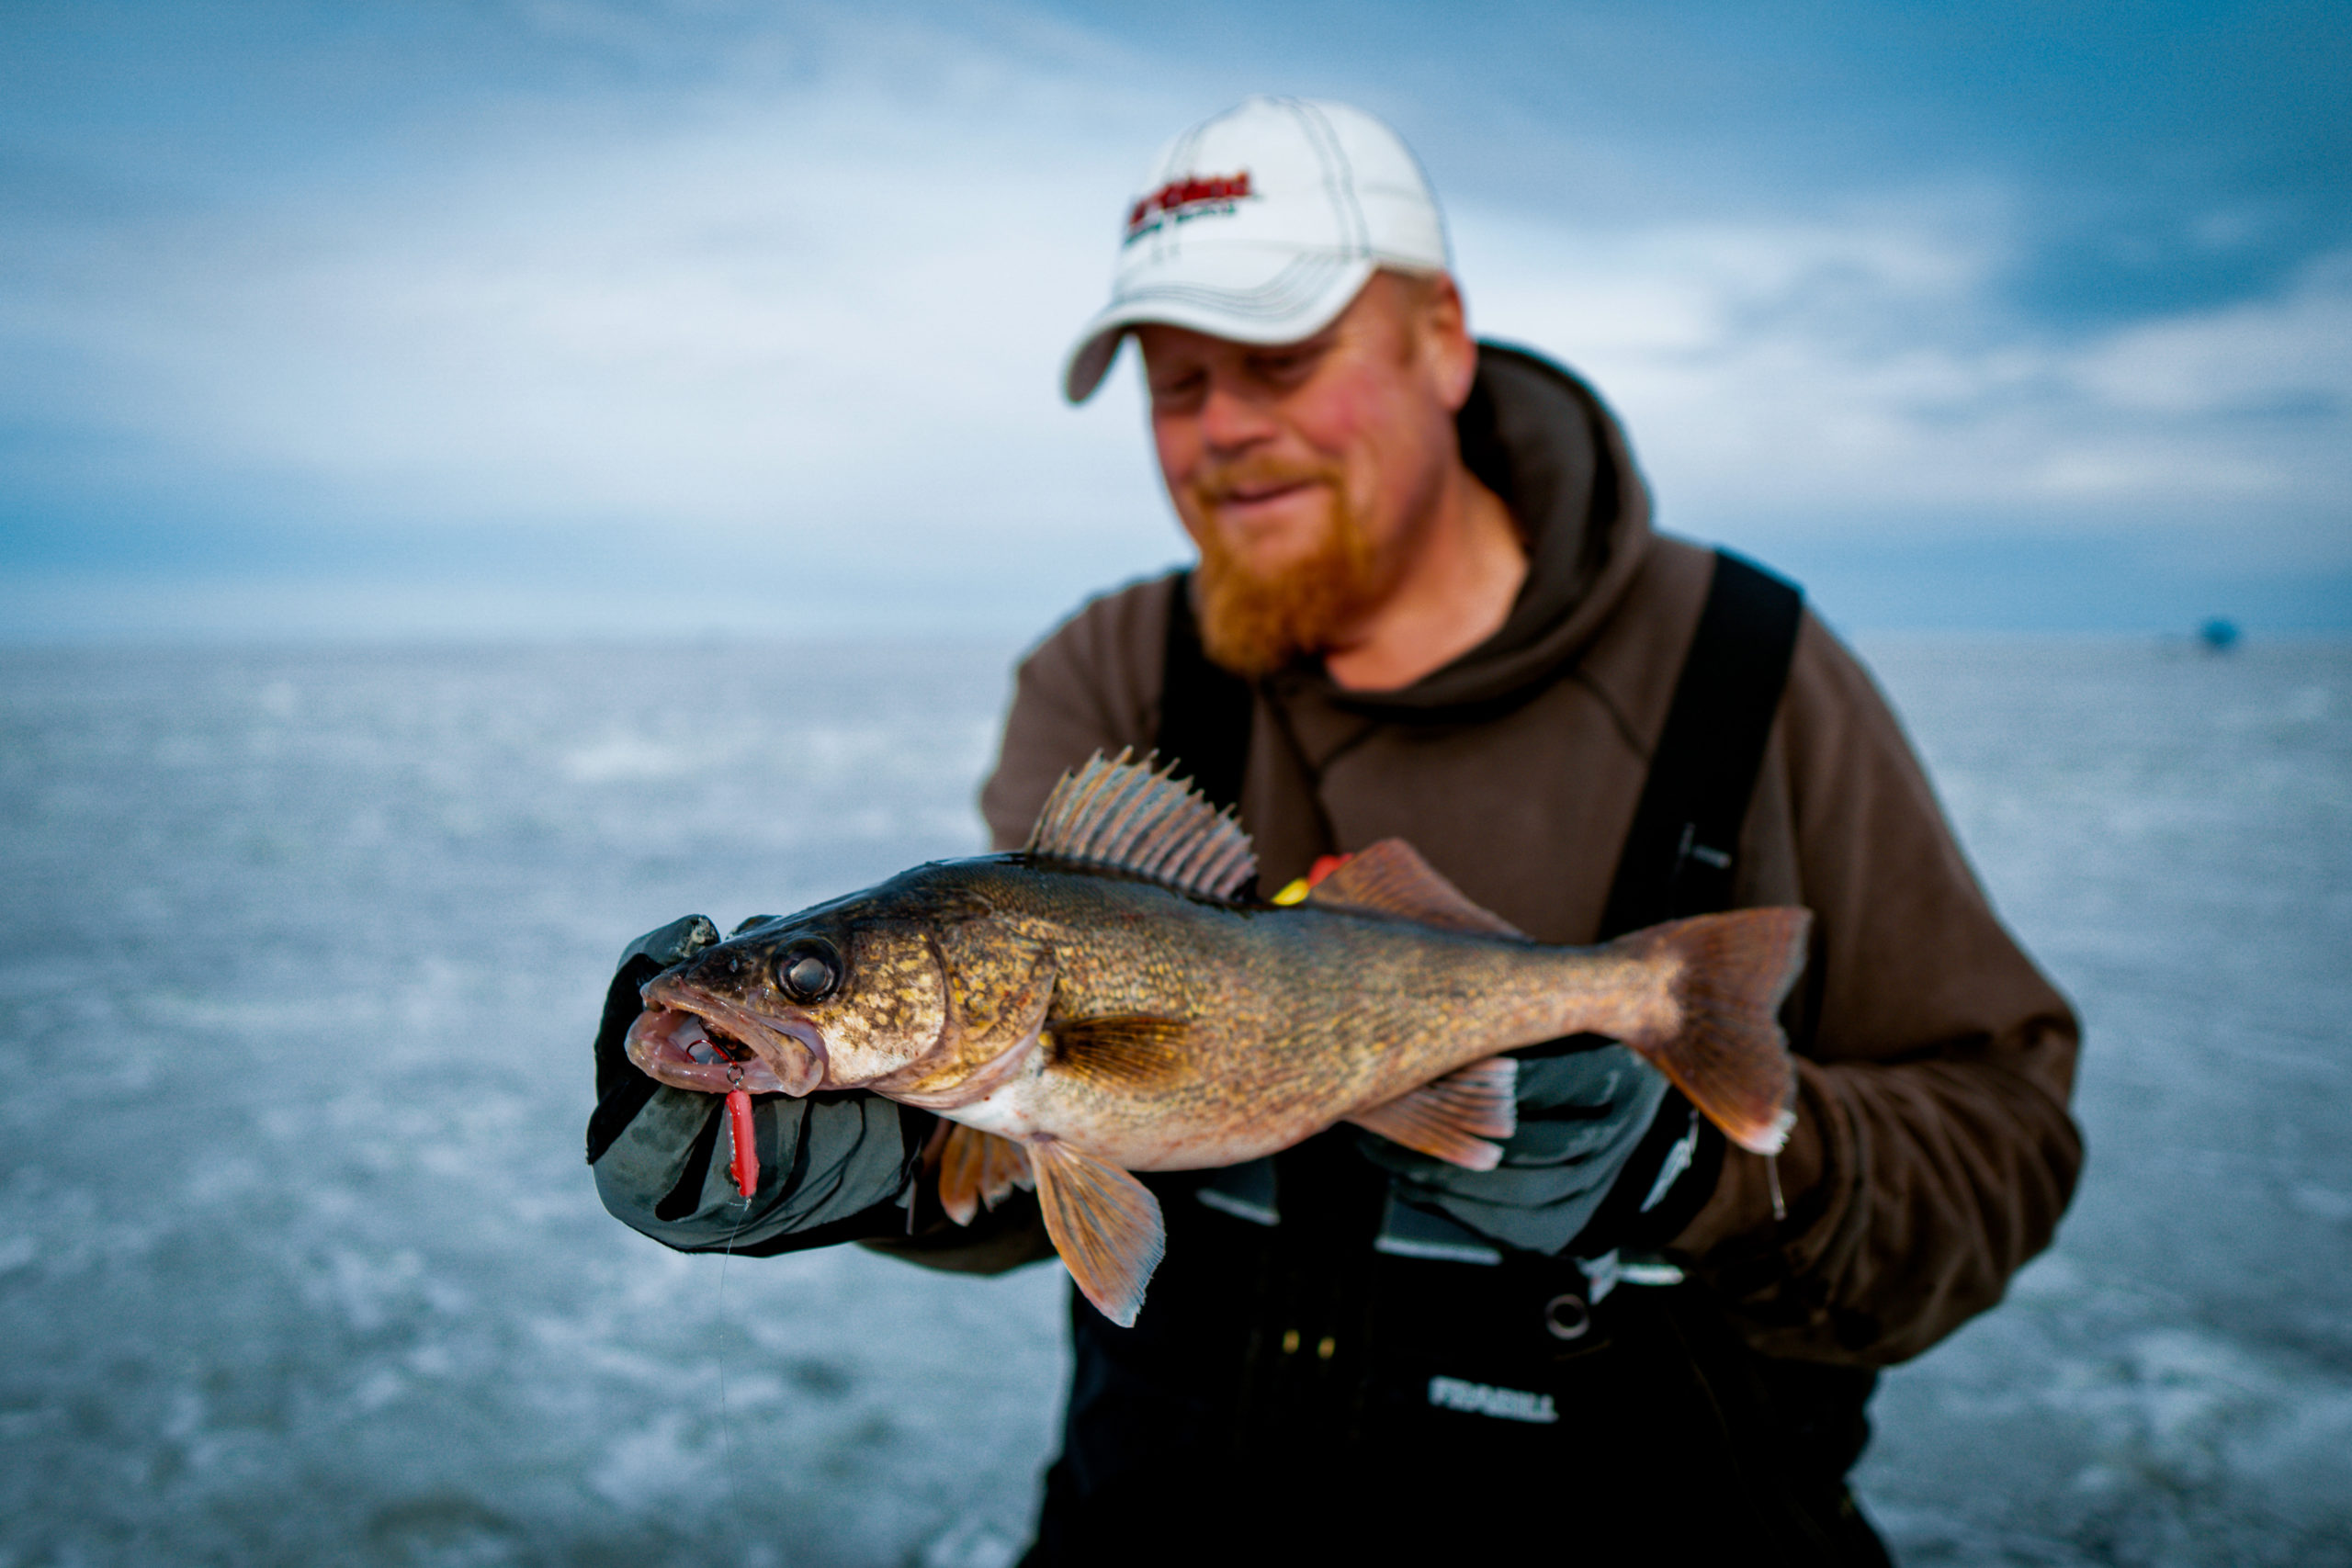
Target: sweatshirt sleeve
[{"x": 1933, "y": 1152}]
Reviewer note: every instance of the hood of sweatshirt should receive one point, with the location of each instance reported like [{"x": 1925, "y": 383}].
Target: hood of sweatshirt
[{"x": 1543, "y": 441}]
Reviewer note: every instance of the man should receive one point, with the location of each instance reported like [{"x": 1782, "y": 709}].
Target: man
[{"x": 1428, "y": 605}]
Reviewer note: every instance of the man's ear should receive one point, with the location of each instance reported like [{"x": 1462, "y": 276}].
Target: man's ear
[{"x": 1442, "y": 324}]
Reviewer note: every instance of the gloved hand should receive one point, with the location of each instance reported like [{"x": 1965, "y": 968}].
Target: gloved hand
[
  {"x": 833, "y": 1165},
  {"x": 1590, "y": 1121},
  {"x": 621, "y": 1089}
]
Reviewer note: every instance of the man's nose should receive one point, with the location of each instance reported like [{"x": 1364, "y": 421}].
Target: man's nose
[{"x": 1232, "y": 420}]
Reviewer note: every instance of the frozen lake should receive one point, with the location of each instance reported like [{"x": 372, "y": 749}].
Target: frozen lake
[{"x": 300, "y": 952}]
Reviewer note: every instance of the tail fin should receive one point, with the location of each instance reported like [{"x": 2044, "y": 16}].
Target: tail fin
[{"x": 1731, "y": 972}]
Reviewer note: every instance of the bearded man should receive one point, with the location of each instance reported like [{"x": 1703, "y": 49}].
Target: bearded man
[{"x": 1430, "y": 605}]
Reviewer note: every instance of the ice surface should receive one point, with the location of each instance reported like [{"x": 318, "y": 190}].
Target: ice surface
[
  {"x": 300, "y": 953},
  {"x": 2170, "y": 832}
]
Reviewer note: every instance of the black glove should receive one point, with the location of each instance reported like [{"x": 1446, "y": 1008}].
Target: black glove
[{"x": 833, "y": 1165}]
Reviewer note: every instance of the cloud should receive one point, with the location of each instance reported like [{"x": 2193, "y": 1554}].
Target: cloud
[
  {"x": 2291, "y": 353},
  {"x": 803, "y": 292},
  {"x": 1865, "y": 368},
  {"x": 823, "y": 305}
]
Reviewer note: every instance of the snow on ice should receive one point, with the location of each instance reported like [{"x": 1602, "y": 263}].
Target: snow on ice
[{"x": 300, "y": 1264}]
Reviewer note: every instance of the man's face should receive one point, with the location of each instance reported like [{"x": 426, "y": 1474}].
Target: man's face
[{"x": 1305, "y": 471}]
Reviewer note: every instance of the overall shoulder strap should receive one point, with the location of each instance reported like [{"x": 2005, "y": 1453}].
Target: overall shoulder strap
[
  {"x": 1677, "y": 856},
  {"x": 1205, "y": 709},
  {"x": 1678, "y": 861}
]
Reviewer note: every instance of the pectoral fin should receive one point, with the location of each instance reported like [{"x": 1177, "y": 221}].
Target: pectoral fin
[
  {"x": 1451, "y": 1118},
  {"x": 1104, "y": 1223},
  {"x": 977, "y": 1168},
  {"x": 1127, "y": 1051}
]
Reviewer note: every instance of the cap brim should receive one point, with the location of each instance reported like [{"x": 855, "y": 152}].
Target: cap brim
[{"x": 1303, "y": 296}]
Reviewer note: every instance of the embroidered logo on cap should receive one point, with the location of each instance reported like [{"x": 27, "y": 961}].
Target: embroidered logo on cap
[{"x": 1195, "y": 196}]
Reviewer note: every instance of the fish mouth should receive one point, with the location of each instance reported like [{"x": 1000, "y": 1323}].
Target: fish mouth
[{"x": 689, "y": 1040}]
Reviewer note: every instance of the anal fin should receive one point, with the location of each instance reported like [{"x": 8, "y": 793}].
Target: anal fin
[
  {"x": 976, "y": 1168},
  {"x": 1104, "y": 1223},
  {"x": 1453, "y": 1118}
]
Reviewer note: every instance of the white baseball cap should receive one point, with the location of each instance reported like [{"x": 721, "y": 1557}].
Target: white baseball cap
[{"x": 1260, "y": 226}]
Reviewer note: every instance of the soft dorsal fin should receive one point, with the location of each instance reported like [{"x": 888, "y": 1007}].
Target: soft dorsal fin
[
  {"x": 1391, "y": 879},
  {"x": 1123, "y": 815}
]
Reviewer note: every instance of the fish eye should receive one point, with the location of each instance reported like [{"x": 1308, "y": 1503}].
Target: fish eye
[{"x": 809, "y": 969}]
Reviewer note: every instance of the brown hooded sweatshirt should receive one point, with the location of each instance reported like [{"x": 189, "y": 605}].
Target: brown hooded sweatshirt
[{"x": 1932, "y": 1153}]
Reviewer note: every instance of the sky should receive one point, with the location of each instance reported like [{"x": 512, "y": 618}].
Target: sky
[{"x": 560, "y": 319}]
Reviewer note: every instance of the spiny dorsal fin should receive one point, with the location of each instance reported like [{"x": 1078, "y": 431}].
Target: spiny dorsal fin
[
  {"x": 1121, "y": 815},
  {"x": 1391, "y": 879}
]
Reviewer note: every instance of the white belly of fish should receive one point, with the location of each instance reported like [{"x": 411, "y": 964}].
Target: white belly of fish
[
  {"x": 1024, "y": 1109},
  {"x": 1005, "y": 1112}
]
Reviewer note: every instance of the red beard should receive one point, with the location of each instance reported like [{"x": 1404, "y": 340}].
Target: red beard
[{"x": 1254, "y": 623}]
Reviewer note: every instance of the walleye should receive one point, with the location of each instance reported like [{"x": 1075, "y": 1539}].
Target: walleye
[{"x": 1100, "y": 1003}]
